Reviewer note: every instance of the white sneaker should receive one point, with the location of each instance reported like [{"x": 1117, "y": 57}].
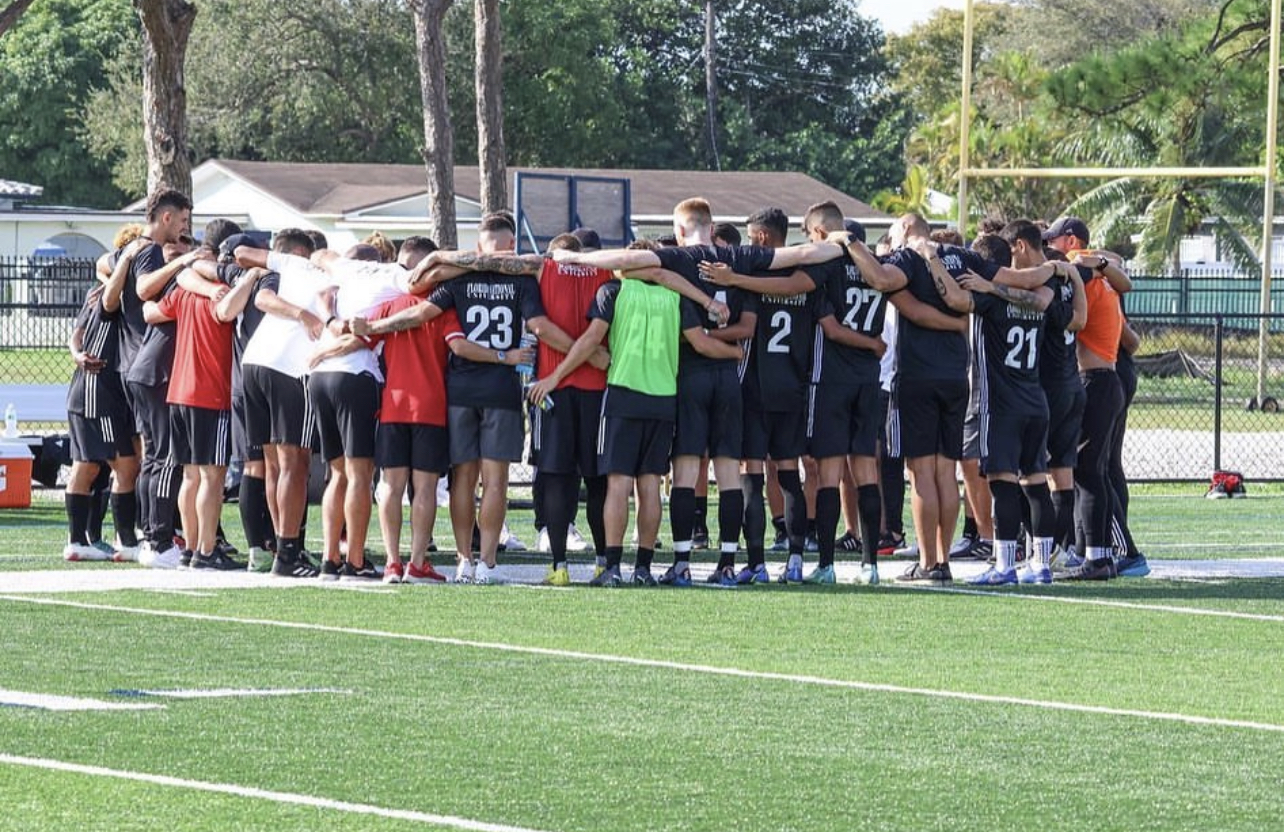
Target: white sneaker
[
  {"x": 146, "y": 554},
  {"x": 868, "y": 574},
  {"x": 908, "y": 551},
  {"x": 465, "y": 572},
  {"x": 510, "y": 541},
  {"x": 484, "y": 575},
  {"x": 76, "y": 552},
  {"x": 171, "y": 558},
  {"x": 125, "y": 554},
  {"x": 542, "y": 544},
  {"x": 575, "y": 541},
  {"x": 961, "y": 547}
]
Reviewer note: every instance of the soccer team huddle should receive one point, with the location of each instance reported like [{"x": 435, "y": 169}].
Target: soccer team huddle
[{"x": 1007, "y": 358}]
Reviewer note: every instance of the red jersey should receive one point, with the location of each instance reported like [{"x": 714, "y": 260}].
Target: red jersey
[
  {"x": 568, "y": 291},
  {"x": 415, "y": 389},
  {"x": 202, "y": 374}
]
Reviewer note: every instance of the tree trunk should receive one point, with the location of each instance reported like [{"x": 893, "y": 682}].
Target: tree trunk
[
  {"x": 490, "y": 107},
  {"x": 711, "y": 79},
  {"x": 167, "y": 24},
  {"x": 439, "y": 137},
  {"x": 10, "y": 14}
]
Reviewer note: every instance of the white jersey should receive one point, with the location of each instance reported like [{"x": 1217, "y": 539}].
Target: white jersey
[
  {"x": 283, "y": 344},
  {"x": 363, "y": 288}
]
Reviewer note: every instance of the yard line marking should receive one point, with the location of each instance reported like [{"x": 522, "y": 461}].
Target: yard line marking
[
  {"x": 225, "y": 693},
  {"x": 263, "y": 794},
  {"x": 50, "y": 702},
  {"x": 1099, "y": 602},
  {"x": 190, "y": 593},
  {"x": 711, "y": 670}
]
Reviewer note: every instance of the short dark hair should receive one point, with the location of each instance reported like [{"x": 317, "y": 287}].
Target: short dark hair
[
  {"x": 727, "y": 232},
  {"x": 167, "y": 199},
  {"x": 318, "y": 239},
  {"x": 1025, "y": 231},
  {"x": 643, "y": 244},
  {"x": 667, "y": 241},
  {"x": 289, "y": 240},
  {"x": 216, "y": 231},
  {"x": 419, "y": 245},
  {"x": 993, "y": 248},
  {"x": 564, "y": 242},
  {"x": 498, "y": 221},
  {"x": 826, "y": 215},
  {"x": 772, "y": 219},
  {"x": 589, "y": 239},
  {"x": 991, "y": 225},
  {"x": 948, "y": 236},
  {"x": 364, "y": 251}
]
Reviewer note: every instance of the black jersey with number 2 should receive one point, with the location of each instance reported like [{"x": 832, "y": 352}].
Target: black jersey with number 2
[{"x": 1009, "y": 351}]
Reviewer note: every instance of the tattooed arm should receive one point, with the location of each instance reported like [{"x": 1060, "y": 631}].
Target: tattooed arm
[
  {"x": 1037, "y": 300},
  {"x": 445, "y": 265},
  {"x": 951, "y": 292}
]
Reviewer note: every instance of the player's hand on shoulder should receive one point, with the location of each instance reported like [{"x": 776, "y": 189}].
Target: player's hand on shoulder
[
  {"x": 719, "y": 273},
  {"x": 975, "y": 283}
]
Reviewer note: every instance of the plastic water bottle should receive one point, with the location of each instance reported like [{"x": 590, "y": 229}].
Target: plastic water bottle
[
  {"x": 11, "y": 421},
  {"x": 526, "y": 372}
]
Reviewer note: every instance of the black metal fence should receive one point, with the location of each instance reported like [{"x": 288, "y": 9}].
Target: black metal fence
[{"x": 1195, "y": 409}]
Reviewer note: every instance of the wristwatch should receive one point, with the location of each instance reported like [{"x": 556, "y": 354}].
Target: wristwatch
[{"x": 501, "y": 357}]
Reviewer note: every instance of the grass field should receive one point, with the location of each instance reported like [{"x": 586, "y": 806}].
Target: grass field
[{"x": 1140, "y": 704}]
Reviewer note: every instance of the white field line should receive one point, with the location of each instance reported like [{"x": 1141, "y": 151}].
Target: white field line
[
  {"x": 226, "y": 693},
  {"x": 632, "y": 661},
  {"x": 188, "y": 592},
  {"x": 262, "y": 794},
  {"x": 50, "y": 702},
  {"x": 1096, "y": 602}
]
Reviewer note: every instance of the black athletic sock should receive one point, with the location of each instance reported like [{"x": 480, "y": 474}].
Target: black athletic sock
[
  {"x": 124, "y": 512},
  {"x": 251, "y": 502},
  {"x": 560, "y": 494},
  {"x": 1063, "y": 506},
  {"x": 614, "y": 554},
  {"x": 1043, "y": 521},
  {"x": 702, "y": 512},
  {"x": 682, "y": 514},
  {"x": 778, "y": 523},
  {"x": 100, "y": 497},
  {"x": 731, "y": 512},
  {"x": 594, "y": 510},
  {"x": 77, "y": 517},
  {"x": 1007, "y": 509},
  {"x": 969, "y": 526},
  {"x": 644, "y": 558},
  {"x": 892, "y": 475},
  {"x": 1027, "y": 519},
  {"x": 869, "y": 504},
  {"x": 755, "y": 526},
  {"x": 829, "y": 506},
  {"x": 537, "y": 499},
  {"x": 795, "y": 510},
  {"x": 289, "y": 549}
]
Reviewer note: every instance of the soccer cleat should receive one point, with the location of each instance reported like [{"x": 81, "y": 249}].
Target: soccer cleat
[
  {"x": 642, "y": 577},
  {"x": 105, "y": 548},
  {"x": 915, "y": 574},
  {"x": 557, "y": 577},
  {"x": 598, "y": 569},
  {"x": 726, "y": 576},
  {"x": 1133, "y": 566},
  {"x": 849, "y": 543},
  {"x": 753, "y": 575},
  {"x": 392, "y": 573},
  {"x": 994, "y": 577},
  {"x": 185, "y": 559},
  {"x": 700, "y": 538},
  {"x": 329, "y": 570},
  {"x": 365, "y": 572},
  {"x": 821, "y": 575},
  {"x": 125, "y": 554},
  {"x": 868, "y": 575},
  {"x": 811, "y": 544},
  {"x": 672, "y": 577},
  {"x": 218, "y": 561},
  {"x": 509, "y": 542},
  {"x": 575, "y": 541},
  {"x": 465, "y": 572},
  {"x": 782, "y": 541},
  {"x": 542, "y": 543},
  {"x": 889, "y": 543},
  {"x": 171, "y": 558},
  {"x": 908, "y": 550},
  {"x": 610, "y": 577},
  {"x": 422, "y": 574},
  {"x": 940, "y": 574},
  {"x": 260, "y": 560},
  {"x": 963, "y": 546},
  {"x": 300, "y": 567},
  {"x": 1063, "y": 559},
  {"x": 984, "y": 550},
  {"x": 485, "y": 575},
  {"x": 1035, "y": 575},
  {"x": 791, "y": 576},
  {"x": 146, "y": 554},
  {"x": 1090, "y": 570},
  {"x": 77, "y": 552}
]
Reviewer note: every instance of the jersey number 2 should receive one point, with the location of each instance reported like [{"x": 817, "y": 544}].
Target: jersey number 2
[
  {"x": 1022, "y": 341},
  {"x": 783, "y": 325}
]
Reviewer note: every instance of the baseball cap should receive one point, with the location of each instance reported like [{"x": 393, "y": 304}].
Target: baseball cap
[{"x": 1067, "y": 225}]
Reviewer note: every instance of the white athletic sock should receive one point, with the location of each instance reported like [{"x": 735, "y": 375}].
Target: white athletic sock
[
  {"x": 1005, "y": 555},
  {"x": 1098, "y": 553},
  {"x": 1043, "y": 552}
]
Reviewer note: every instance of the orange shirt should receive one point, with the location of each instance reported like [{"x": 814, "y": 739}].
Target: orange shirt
[{"x": 1101, "y": 333}]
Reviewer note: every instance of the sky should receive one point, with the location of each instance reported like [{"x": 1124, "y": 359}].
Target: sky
[{"x": 897, "y": 16}]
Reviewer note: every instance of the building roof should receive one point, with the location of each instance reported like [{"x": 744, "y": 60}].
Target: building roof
[
  {"x": 9, "y": 188},
  {"x": 337, "y": 189}
]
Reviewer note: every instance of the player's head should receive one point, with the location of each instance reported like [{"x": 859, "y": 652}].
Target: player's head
[
  {"x": 318, "y": 239},
  {"x": 496, "y": 232},
  {"x": 725, "y": 234},
  {"x": 947, "y": 237},
  {"x": 883, "y": 245},
  {"x": 822, "y": 218},
  {"x": 178, "y": 246},
  {"x": 643, "y": 244},
  {"x": 565, "y": 242},
  {"x": 364, "y": 252},
  {"x": 169, "y": 214},
  {"x": 1026, "y": 242},
  {"x": 991, "y": 225},
  {"x": 413, "y": 249},
  {"x": 126, "y": 235},
  {"x": 293, "y": 241},
  {"x": 1067, "y": 234},
  {"x": 908, "y": 227},
  {"x": 693, "y": 221},
  {"x": 768, "y": 227},
  {"x": 589, "y": 239},
  {"x": 993, "y": 248},
  {"x": 666, "y": 241},
  {"x": 387, "y": 251},
  {"x": 218, "y": 230}
]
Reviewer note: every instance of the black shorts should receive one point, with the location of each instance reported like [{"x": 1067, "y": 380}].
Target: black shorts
[
  {"x": 926, "y": 418},
  {"x": 1065, "y": 420},
  {"x": 242, "y": 449},
  {"x": 564, "y": 439},
  {"x": 102, "y": 438},
  {"x": 778, "y": 435},
  {"x": 278, "y": 410},
  {"x": 844, "y": 420},
  {"x": 1014, "y": 443},
  {"x": 200, "y": 436},
  {"x": 346, "y": 406},
  {"x": 151, "y": 417},
  {"x": 485, "y": 433},
  {"x": 418, "y": 447},
  {"x": 634, "y": 447},
  {"x": 710, "y": 414}
]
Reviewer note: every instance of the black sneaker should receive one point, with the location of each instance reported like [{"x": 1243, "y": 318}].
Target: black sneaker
[
  {"x": 299, "y": 567},
  {"x": 366, "y": 572},
  {"x": 185, "y": 560},
  {"x": 940, "y": 574},
  {"x": 982, "y": 550},
  {"x": 221, "y": 545},
  {"x": 1089, "y": 570},
  {"x": 848, "y": 543},
  {"x": 700, "y": 538},
  {"x": 916, "y": 574},
  {"x": 216, "y": 560},
  {"x": 329, "y": 570},
  {"x": 610, "y": 577},
  {"x": 642, "y": 577}
]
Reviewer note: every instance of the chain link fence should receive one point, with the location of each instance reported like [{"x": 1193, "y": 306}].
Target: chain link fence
[{"x": 1195, "y": 410}]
